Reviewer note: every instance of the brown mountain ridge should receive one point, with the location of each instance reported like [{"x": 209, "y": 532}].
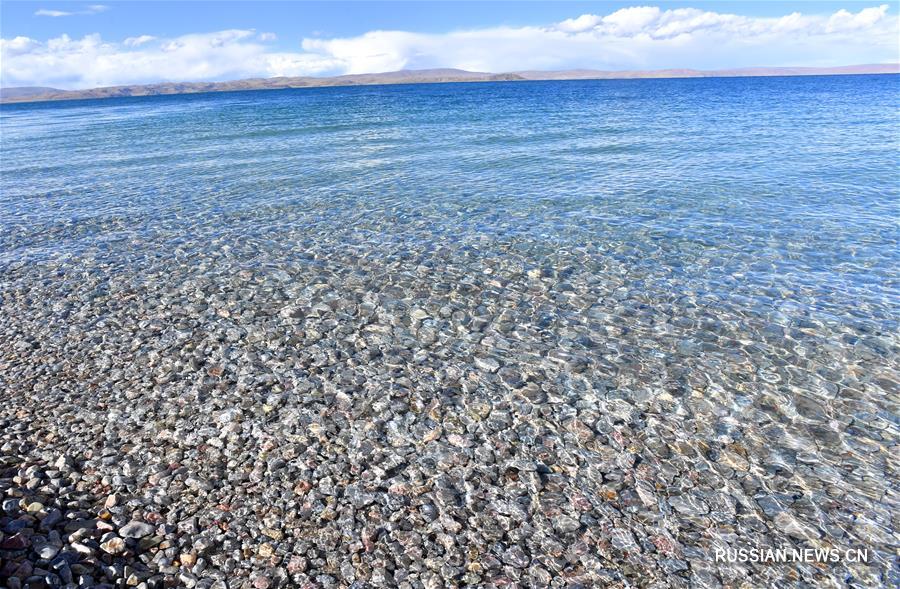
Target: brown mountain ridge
[{"x": 429, "y": 76}]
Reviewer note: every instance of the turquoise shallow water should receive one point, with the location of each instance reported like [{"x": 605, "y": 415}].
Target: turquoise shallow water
[
  {"x": 765, "y": 183},
  {"x": 685, "y": 290}
]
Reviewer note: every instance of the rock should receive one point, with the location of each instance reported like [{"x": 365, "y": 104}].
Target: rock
[
  {"x": 565, "y": 524},
  {"x": 47, "y": 551},
  {"x": 459, "y": 441},
  {"x": 136, "y": 529},
  {"x": 82, "y": 549},
  {"x": 15, "y": 542},
  {"x": 516, "y": 557},
  {"x": 486, "y": 364},
  {"x": 794, "y": 528},
  {"x": 688, "y": 505},
  {"x": 51, "y": 519},
  {"x": 418, "y": 314},
  {"x": 114, "y": 546}
]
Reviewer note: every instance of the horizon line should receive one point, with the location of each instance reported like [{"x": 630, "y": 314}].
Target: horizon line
[{"x": 424, "y": 76}]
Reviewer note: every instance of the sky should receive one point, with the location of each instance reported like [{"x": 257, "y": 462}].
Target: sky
[{"x": 76, "y": 45}]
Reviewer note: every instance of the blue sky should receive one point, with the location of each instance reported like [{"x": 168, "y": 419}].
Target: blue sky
[
  {"x": 81, "y": 44},
  {"x": 292, "y": 21}
]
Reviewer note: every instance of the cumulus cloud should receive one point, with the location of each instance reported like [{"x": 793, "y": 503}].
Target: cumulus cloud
[
  {"x": 654, "y": 23},
  {"x": 639, "y": 37},
  {"x": 91, "y": 61},
  {"x": 17, "y": 46},
  {"x": 585, "y": 22},
  {"x": 847, "y": 21},
  {"x": 90, "y": 9}
]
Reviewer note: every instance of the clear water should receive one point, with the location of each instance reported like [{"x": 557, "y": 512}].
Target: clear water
[
  {"x": 720, "y": 254},
  {"x": 718, "y": 187}
]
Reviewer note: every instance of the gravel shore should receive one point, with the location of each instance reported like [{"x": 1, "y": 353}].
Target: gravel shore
[{"x": 412, "y": 421}]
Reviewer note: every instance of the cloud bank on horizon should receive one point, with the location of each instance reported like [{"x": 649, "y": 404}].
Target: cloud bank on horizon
[{"x": 641, "y": 37}]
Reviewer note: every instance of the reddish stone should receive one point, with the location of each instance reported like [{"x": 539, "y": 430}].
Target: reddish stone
[{"x": 17, "y": 542}]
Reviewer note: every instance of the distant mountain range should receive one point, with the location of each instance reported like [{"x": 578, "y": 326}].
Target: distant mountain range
[{"x": 34, "y": 94}]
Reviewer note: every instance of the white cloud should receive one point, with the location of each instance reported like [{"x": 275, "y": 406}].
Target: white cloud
[
  {"x": 90, "y": 9},
  {"x": 17, "y": 46},
  {"x": 641, "y": 37},
  {"x": 88, "y": 62},
  {"x": 630, "y": 21},
  {"x": 139, "y": 40},
  {"x": 847, "y": 21},
  {"x": 55, "y": 13},
  {"x": 584, "y": 22}
]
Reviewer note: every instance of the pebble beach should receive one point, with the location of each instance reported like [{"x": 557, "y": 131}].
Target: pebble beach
[{"x": 550, "y": 334}]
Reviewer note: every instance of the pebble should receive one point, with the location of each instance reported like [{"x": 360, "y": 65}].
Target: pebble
[
  {"x": 487, "y": 364},
  {"x": 113, "y": 546},
  {"x": 47, "y": 551},
  {"x": 136, "y": 529}
]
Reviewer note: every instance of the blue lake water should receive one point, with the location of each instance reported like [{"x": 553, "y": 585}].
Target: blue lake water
[
  {"x": 733, "y": 186},
  {"x": 708, "y": 260}
]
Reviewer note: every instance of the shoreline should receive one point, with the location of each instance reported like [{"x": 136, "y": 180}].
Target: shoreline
[{"x": 426, "y": 77}]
